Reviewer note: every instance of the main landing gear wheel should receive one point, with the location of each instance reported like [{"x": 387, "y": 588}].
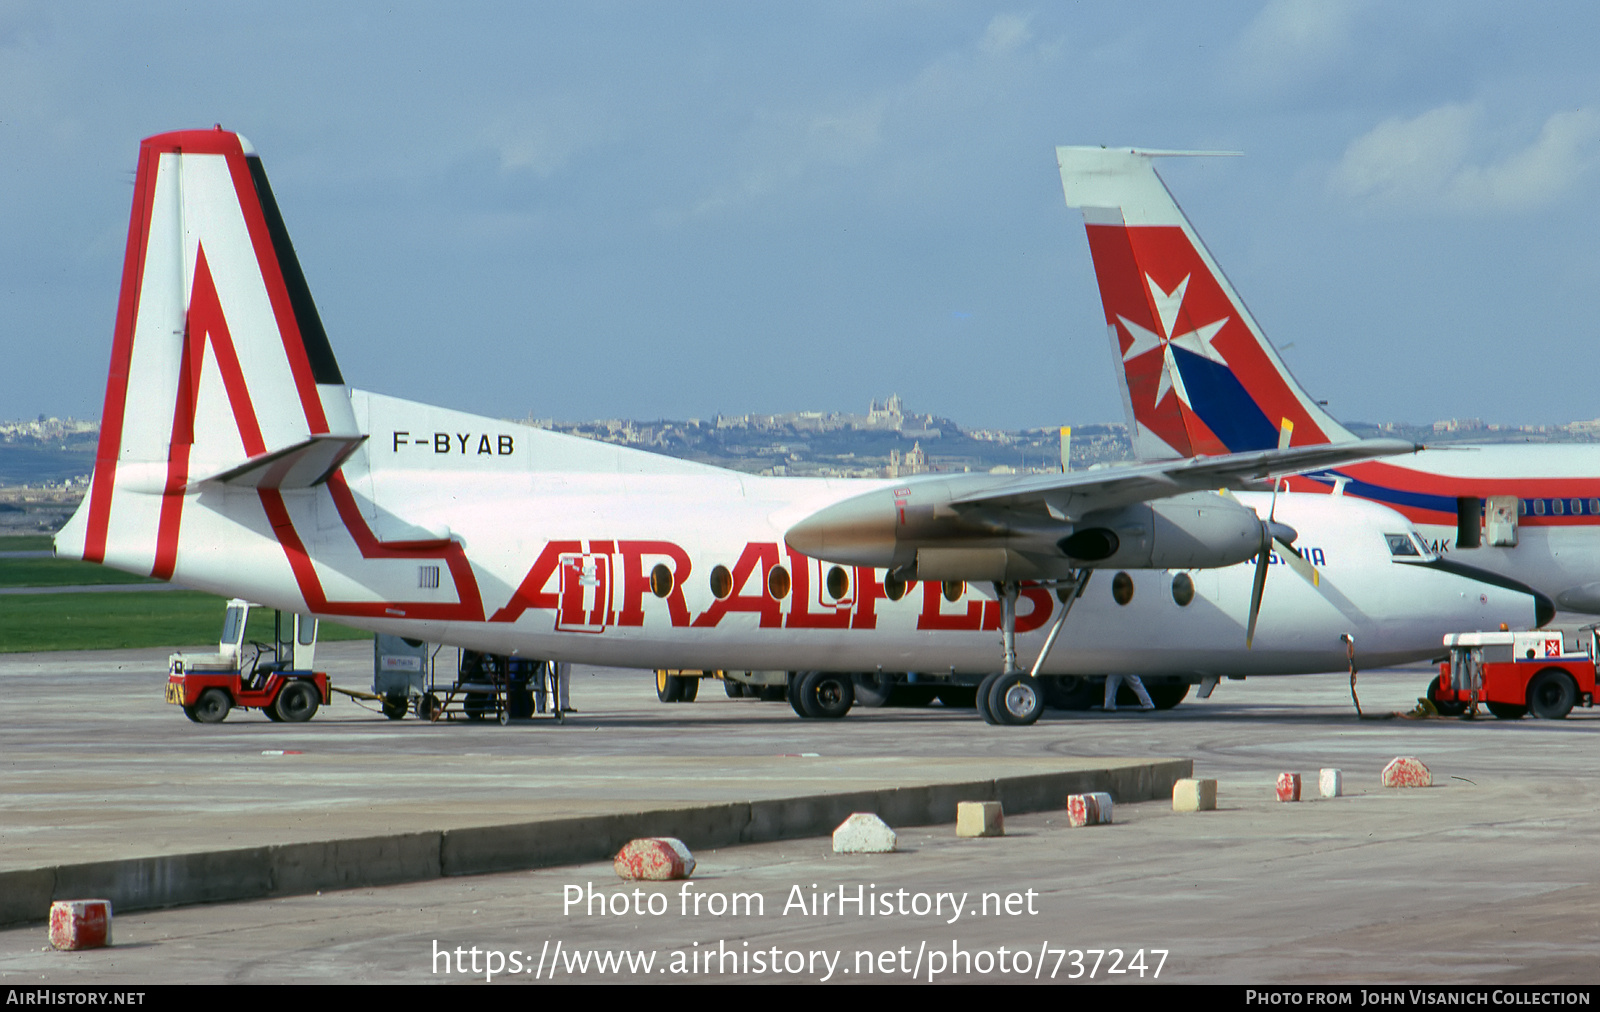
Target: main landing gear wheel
[
  {"x": 982, "y": 699},
  {"x": 1551, "y": 694},
  {"x": 211, "y": 708},
  {"x": 1015, "y": 699},
  {"x": 825, "y": 695},
  {"x": 873, "y": 688},
  {"x": 1444, "y": 708},
  {"x": 1506, "y": 711},
  {"x": 791, "y": 692},
  {"x": 297, "y": 701}
]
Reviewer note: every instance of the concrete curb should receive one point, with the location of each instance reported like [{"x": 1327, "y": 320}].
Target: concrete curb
[{"x": 145, "y": 883}]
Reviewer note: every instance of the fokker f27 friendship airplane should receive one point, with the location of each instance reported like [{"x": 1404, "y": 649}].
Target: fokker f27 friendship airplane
[{"x": 235, "y": 459}]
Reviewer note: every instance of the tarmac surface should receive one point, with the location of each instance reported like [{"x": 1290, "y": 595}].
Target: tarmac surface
[{"x": 1487, "y": 877}]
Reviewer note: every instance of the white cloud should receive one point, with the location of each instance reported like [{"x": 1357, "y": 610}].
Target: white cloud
[
  {"x": 1436, "y": 161},
  {"x": 1007, "y": 33},
  {"x": 1294, "y": 42}
]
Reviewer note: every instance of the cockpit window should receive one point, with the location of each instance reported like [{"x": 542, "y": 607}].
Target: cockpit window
[{"x": 1401, "y": 544}]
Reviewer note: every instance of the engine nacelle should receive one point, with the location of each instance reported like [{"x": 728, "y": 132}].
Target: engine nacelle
[
  {"x": 920, "y": 527},
  {"x": 1197, "y": 531}
]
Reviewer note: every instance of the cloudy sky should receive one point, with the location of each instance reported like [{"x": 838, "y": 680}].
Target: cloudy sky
[{"x": 674, "y": 209}]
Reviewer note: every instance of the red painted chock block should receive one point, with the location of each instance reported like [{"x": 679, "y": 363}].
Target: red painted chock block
[
  {"x": 654, "y": 859},
  {"x": 1092, "y": 809},
  {"x": 1288, "y": 787},
  {"x": 80, "y": 924},
  {"x": 1407, "y": 771}
]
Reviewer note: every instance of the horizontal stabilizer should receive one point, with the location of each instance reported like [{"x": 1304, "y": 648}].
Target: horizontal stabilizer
[{"x": 303, "y": 465}]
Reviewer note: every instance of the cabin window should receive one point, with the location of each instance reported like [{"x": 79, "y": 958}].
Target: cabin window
[
  {"x": 894, "y": 588},
  {"x": 953, "y": 589},
  {"x": 1538, "y": 507},
  {"x": 838, "y": 583},
  {"x": 778, "y": 583},
  {"x": 1182, "y": 589},
  {"x": 1122, "y": 588},
  {"x": 721, "y": 582},
  {"x": 661, "y": 580}
]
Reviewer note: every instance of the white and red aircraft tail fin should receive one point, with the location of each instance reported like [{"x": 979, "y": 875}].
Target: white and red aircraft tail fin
[
  {"x": 221, "y": 373},
  {"x": 1198, "y": 375}
]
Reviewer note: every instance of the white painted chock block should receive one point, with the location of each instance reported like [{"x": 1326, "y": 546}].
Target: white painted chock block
[
  {"x": 980, "y": 818},
  {"x": 1330, "y": 782},
  {"x": 1093, "y": 809},
  {"x": 1191, "y": 795},
  {"x": 654, "y": 859},
  {"x": 864, "y": 833},
  {"x": 1407, "y": 771},
  {"x": 80, "y": 924}
]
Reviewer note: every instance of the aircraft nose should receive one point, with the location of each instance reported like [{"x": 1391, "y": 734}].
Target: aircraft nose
[{"x": 1544, "y": 609}]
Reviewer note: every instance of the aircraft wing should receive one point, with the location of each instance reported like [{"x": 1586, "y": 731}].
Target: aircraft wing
[
  {"x": 1073, "y": 494},
  {"x": 1150, "y": 516}
]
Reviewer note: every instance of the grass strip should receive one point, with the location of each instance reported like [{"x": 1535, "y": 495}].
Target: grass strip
[{"x": 115, "y": 621}]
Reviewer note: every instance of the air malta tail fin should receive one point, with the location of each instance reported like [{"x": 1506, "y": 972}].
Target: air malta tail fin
[
  {"x": 221, "y": 374},
  {"x": 1198, "y": 375}
]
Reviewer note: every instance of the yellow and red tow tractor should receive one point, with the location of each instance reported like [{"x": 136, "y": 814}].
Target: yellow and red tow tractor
[
  {"x": 277, "y": 678},
  {"x": 1515, "y": 673}
]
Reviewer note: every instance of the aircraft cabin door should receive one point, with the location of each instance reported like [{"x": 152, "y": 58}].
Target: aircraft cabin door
[{"x": 1500, "y": 521}]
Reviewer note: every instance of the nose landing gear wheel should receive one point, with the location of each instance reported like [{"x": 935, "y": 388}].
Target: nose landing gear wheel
[
  {"x": 982, "y": 700},
  {"x": 1016, "y": 699}
]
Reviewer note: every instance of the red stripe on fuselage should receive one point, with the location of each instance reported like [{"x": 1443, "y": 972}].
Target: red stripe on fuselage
[{"x": 1409, "y": 479}]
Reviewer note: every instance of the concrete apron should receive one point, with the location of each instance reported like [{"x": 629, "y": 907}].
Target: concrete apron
[{"x": 211, "y": 876}]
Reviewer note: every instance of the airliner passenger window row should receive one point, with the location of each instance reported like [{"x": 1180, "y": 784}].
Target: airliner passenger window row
[{"x": 1558, "y": 507}]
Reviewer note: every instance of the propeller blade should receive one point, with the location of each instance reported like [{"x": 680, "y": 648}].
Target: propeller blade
[
  {"x": 1260, "y": 587},
  {"x": 1298, "y": 563}
]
